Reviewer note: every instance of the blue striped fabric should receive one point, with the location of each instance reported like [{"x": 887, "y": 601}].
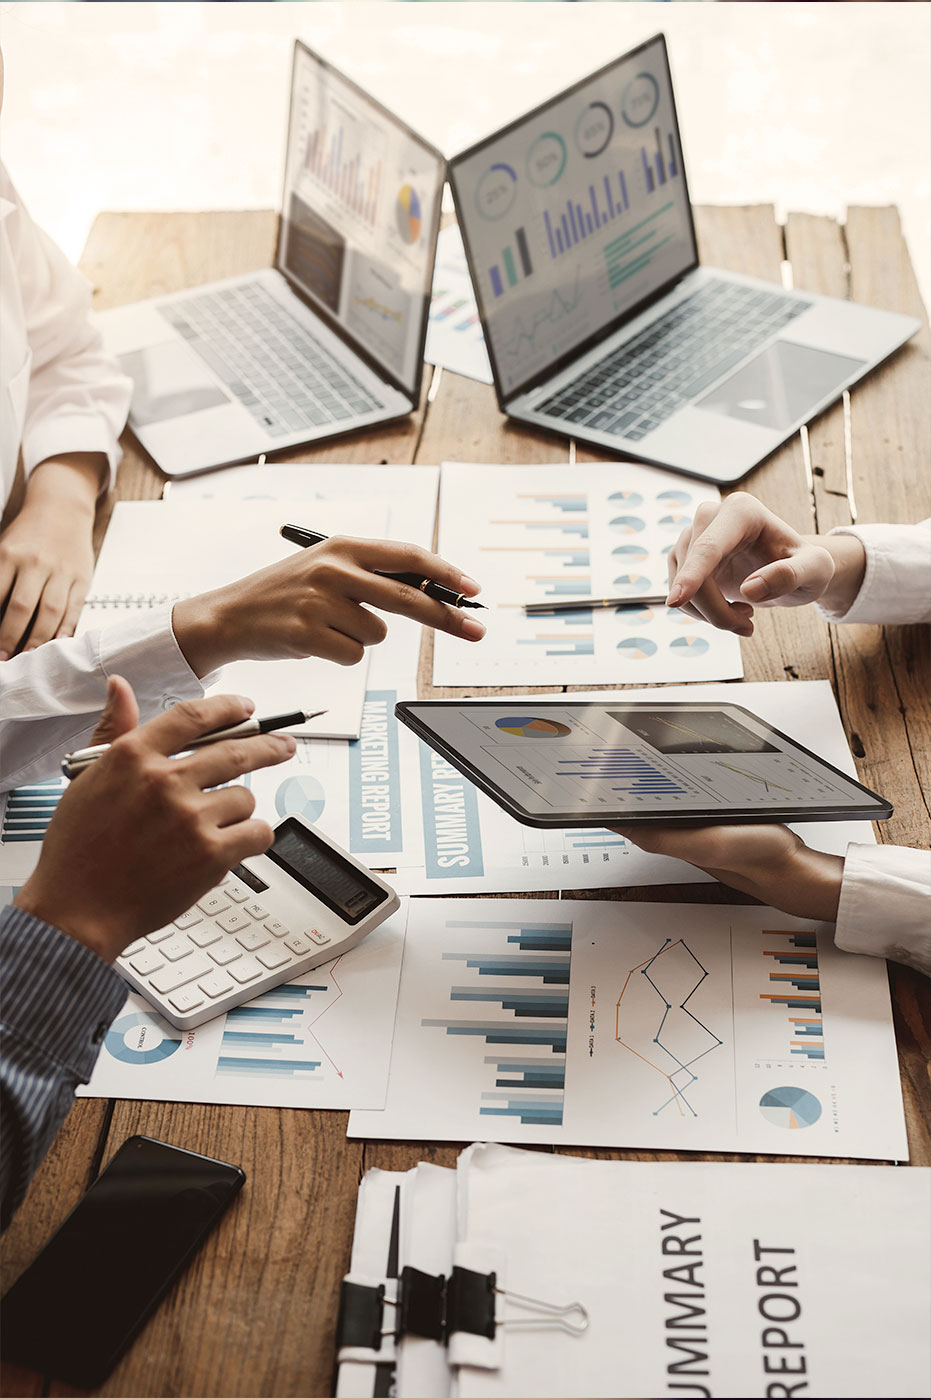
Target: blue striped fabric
[{"x": 57, "y": 999}]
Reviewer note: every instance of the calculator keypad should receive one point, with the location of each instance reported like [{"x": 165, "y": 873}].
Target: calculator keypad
[{"x": 227, "y": 942}]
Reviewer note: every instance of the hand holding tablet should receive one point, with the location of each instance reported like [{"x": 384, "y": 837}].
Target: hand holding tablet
[{"x": 555, "y": 763}]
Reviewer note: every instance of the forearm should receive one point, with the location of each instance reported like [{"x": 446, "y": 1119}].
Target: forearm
[
  {"x": 849, "y": 558},
  {"x": 206, "y": 633},
  {"x": 51, "y": 698},
  {"x": 69, "y": 484},
  {"x": 58, "y": 999}
]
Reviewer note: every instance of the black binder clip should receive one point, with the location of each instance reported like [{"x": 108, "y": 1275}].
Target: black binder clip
[{"x": 436, "y": 1307}]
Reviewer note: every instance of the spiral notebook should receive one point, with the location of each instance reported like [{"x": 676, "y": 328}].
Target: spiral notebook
[{"x": 154, "y": 554}]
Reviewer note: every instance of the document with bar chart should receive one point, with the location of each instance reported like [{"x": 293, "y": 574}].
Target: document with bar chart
[
  {"x": 689, "y": 1027},
  {"x": 551, "y": 533},
  {"x": 322, "y": 1041},
  {"x": 454, "y": 329},
  {"x": 24, "y": 817}
]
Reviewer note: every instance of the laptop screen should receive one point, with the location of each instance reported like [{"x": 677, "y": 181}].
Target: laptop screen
[
  {"x": 575, "y": 215},
  {"x": 359, "y": 216}
]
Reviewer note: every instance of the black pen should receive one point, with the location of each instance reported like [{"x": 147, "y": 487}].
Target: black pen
[
  {"x": 305, "y": 538},
  {"x": 74, "y": 763}
]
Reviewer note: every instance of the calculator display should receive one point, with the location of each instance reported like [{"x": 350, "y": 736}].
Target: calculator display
[{"x": 336, "y": 882}]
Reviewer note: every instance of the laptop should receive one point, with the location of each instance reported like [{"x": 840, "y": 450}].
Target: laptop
[
  {"x": 331, "y": 338},
  {"x": 599, "y": 322}
]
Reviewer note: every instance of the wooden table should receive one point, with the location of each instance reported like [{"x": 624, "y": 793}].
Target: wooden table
[{"x": 256, "y": 1313}]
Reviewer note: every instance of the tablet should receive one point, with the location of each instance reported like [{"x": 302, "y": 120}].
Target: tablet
[{"x": 552, "y": 763}]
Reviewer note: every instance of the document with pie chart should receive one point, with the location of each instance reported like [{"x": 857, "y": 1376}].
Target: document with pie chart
[
  {"x": 321, "y": 1041},
  {"x": 552, "y": 533},
  {"x": 660, "y": 1026}
]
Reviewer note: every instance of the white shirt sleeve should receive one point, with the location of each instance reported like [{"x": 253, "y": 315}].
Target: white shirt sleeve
[
  {"x": 76, "y": 399},
  {"x": 51, "y": 698},
  {"x": 885, "y": 904},
  {"x": 896, "y": 586}
]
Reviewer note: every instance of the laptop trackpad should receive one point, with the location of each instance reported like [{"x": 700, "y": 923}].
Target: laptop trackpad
[
  {"x": 169, "y": 381},
  {"x": 781, "y": 385}
]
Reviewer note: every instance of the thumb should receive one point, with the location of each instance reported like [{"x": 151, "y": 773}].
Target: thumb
[
  {"x": 120, "y": 713},
  {"x": 803, "y": 577}
]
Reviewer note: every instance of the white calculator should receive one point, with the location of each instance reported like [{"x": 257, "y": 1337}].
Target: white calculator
[{"x": 277, "y": 915}]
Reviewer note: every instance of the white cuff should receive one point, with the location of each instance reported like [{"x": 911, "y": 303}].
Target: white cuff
[
  {"x": 71, "y": 432},
  {"x": 885, "y": 904},
  {"x": 896, "y": 585}
]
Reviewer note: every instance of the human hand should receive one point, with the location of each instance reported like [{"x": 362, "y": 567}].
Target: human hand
[
  {"x": 737, "y": 554},
  {"x": 769, "y": 862},
  {"x": 314, "y": 604},
  {"x": 47, "y": 555},
  {"x": 136, "y": 840}
]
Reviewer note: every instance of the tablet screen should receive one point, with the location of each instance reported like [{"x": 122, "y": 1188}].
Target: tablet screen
[{"x": 554, "y": 763}]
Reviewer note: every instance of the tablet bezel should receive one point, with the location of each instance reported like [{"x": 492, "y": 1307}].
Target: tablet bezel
[{"x": 716, "y": 817}]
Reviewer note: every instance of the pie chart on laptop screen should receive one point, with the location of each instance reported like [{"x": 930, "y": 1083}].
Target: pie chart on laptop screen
[{"x": 527, "y": 727}]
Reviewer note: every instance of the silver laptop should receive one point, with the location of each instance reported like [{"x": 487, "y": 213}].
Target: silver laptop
[
  {"x": 600, "y": 323},
  {"x": 329, "y": 340}
]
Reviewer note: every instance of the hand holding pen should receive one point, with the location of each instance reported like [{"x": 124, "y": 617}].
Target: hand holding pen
[
  {"x": 319, "y": 602},
  {"x": 74, "y": 763},
  {"x": 296, "y": 534}
]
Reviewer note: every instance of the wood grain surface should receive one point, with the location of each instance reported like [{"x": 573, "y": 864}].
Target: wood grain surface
[{"x": 255, "y": 1314}]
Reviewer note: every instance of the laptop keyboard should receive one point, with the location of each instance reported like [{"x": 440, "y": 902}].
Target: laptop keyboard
[
  {"x": 637, "y": 387},
  {"x": 277, "y": 370}
]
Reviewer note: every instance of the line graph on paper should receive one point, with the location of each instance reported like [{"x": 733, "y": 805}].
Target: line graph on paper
[{"x": 654, "y": 1023}]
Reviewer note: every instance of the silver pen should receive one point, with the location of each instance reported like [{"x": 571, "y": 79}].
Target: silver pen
[{"x": 74, "y": 763}]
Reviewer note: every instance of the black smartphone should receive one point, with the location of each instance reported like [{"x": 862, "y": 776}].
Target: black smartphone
[{"x": 78, "y": 1306}]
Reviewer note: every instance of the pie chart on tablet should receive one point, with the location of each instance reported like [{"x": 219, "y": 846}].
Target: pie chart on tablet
[{"x": 527, "y": 727}]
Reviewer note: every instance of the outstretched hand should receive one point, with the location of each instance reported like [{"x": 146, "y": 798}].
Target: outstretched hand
[
  {"x": 737, "y": 555},
  {"x": 770, "y": 863},
  {"x": 318, "y": 602}
]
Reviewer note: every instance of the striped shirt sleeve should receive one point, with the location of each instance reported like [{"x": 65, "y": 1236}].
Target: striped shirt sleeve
[{"x": 57, "y": 999}]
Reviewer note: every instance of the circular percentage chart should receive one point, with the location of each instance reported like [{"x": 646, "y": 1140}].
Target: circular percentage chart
[
  {"x": 527, "y": 727},
  {"x": 408, "y": 214},
  {"x": 789, "y": 1107},
  {"x": 301, "y": 796}
]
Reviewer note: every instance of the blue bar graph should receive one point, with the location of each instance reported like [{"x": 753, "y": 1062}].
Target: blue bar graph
[
  {"x": 519, "y": 985},
  {"x": 567, "y": 588},
  {"x": 554, "y": 645},
  {"x": 28, "y": 811},
  {"x": 564, "y": 503},
  {"x": 799, "y": 955},
  {"x": 579, "y": 528},
  {"x": 267, "y": 1069},
  {"x": 258, "y": 1040},
  {"x": 591, "y": 841},
  {"x": 631, "y": 772},
  {"x": 574, "y": 223}
]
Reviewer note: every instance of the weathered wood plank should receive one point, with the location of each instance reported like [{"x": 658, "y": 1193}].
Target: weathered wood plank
[
  {"x": 891, "y": 426},
  {"x": 255, "y": 1314},
  {"x": 54, "y": 1191}
]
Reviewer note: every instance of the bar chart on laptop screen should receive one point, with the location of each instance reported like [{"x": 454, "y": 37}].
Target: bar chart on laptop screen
[{"x": 575, "y": 213}]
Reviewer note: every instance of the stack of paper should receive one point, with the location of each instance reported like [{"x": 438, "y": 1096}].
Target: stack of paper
[{"x": 695, "y": 1279}]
